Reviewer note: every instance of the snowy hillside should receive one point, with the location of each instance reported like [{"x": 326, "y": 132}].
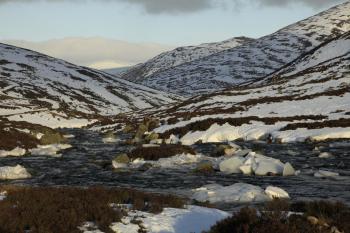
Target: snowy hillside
[
  {"x": 249, "y": 61},
  {"x": 309, "y": 99},
  {"x": 51, "y": 92},
  {"x": 178, "y": 56}
]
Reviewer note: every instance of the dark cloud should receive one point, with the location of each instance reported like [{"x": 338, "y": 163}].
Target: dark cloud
[
  {"x": 311, "y": 3},
  {"x": 188, "y": 6},
  {"x": 172, "y": 6}
]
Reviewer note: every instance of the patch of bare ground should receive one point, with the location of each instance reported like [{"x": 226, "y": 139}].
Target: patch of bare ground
[
  {"x": 57, "y": 210},
  {"x": 315, "y": 217},
  {"x": 341, "y": 123},
  {"x": 205, "y": 124},
  {"x": 163, "y": 151}
]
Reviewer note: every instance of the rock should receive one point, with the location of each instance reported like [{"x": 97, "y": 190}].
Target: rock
[
  {"x": 312, "y": 220},
  {"x": 15, "y": 152},
  {"x": 325, "y": 155},
  {"x": 150, "y": 145},
  {"x": 288, "y": 170},
  {"x": 152, "y": 136},
  {"x": 142, "y": 129},
  {"x": 122, "y": 158},
  {"x": 172, "y": 140},
  {"x": 128, "y": 129},
  {"x": 236, "y": 193},
  {"x": 246, "y": 169},
  {"x": 275, "y": 192},
  {"x": 220, "y": 149},
  {"x": 145, "y": 167},
  {"x": 51, "y": 138},
  {"x": 12, "y": 173},
  {"x": 268, "y": 167},
  {"x": 322, "y": 173},
  {"x": 334, "y": 230},
  {"x": 231, "y": 165},
  {"x": 242, "y": 152},
  {"x": 229, "y": 151},
  {"x": 156, "y": 141},
  {"x": 205, "y": 167}
]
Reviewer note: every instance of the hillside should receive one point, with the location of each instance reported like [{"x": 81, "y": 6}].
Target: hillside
[
  {"x": 167, "y": 60},
  {"x": 40, "y": 89},
  {"x": 307, "y": 100},
  {"x": 248, "y": 62}
]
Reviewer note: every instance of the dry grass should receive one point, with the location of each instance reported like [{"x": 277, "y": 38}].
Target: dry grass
[{"x": 205, "y": 124}]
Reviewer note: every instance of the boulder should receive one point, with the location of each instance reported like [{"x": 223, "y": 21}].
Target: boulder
[
  {"x": 152, "y": 136},
  {"x": 268, "y": 167},
  {"x": 122, "y": 158},
  {"x": 236, "y": 193},
  {"x": 323, "y": 173},
  {"x": 120, "y": 161},
  {"x": 242, "y": 152},
  {"x": 275, "y": 192},
  {"x": 12, "y": 173},
  {"x": 325, "y": 155},
  {"x": 231, "y": 165},
  {"x": 205, "y": 167},
  {"x": 312, "y": 220},
  {"x": 288, "y": 170}
]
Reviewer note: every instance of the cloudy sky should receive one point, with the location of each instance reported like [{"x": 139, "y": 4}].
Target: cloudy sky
[{"x": 110, "y": 33}]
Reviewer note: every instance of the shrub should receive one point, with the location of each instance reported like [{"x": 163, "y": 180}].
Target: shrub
[{"x": 274, "y": 218}]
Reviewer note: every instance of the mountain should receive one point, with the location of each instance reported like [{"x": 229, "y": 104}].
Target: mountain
[
  {"x": 116, "y": 71},
  {"x": 247, "y": 62},
  {"x": 167, "y": 60},
  {"x": 307, "y": 99},
  {"x": 40, "y": 89}
]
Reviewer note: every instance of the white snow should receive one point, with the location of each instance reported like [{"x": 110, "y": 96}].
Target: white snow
[
  {"x": 192, "y": 219},
  {"x": 12, "y": 173}
]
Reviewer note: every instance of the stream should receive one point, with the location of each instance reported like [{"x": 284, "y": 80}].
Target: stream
[{"x": 88, "y": 163}]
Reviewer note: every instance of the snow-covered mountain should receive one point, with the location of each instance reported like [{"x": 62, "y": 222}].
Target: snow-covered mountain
[
  {"x": 178, "y": 56},
  {"x": 308, "y": 99},
  {"x": 48, "y": 91},
  {"x": 247, "y": 62}
]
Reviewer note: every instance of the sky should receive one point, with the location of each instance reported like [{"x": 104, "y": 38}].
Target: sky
[{"x": 116, "y": 33}]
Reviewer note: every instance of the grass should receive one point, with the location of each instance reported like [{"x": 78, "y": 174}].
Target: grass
[
  {"x": 273, "y": 217},
  {"x": 57, "y": 210},
  {"x": 163, "y": 151}
]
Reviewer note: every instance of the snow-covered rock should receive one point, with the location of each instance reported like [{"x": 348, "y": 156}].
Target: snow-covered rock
[
  {"x": 191, "y": 219},
  {"x": 15, "y": 152},
  {"x": 231, "y": 165},
  {"x": 3, "y": 195},
  {"x": 275, "y": 192},
  {"x": 239, "y": 192},
  {"x": 49, "y": 150},
  {"x": 257, "y": 164},
  {"x": 325, "y": 155},
  {"x": 323, "y": 173},
  {"x": 288, "y": 170},
  {"x": 12, "y": 173}
]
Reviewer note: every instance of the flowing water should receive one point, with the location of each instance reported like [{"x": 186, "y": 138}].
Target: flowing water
[{"x": 88, "y": 163}]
